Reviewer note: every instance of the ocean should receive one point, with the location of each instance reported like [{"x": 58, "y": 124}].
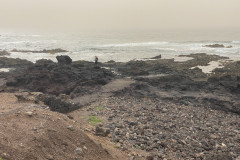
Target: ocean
[{"x": 120, "y": 46}]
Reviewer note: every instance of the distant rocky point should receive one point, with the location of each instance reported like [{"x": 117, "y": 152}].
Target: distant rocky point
[
  {"x": 51, "y": 51},
  {"x": 4, "y": 53},
  {"x": 217, "y": 46},
  {"x": 157, "y": 57}
]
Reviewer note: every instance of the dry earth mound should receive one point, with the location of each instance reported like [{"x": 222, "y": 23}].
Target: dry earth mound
[{"x": 28, "y": 131}]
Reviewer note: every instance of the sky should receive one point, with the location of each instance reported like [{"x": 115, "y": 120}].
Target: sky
[{"x": 120, "y": 14}]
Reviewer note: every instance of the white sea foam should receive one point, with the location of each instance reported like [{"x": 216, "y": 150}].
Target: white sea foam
[
  {"x": 166, "y": 49},
  {"x": 134, "y": 44},
  {"x": 236, "y": 42},
  {"x": 5, "y": 69}
]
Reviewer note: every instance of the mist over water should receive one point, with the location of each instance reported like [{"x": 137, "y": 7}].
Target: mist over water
[
  {"x": 119, "y": 30},
  {"x": 121, "y": 46}
]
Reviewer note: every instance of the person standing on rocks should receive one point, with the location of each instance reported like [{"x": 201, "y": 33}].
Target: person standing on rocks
[{"x": 96, "y": 59}]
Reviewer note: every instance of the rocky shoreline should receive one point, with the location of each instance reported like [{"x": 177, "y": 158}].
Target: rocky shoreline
[{"x": 167, "y": 109}]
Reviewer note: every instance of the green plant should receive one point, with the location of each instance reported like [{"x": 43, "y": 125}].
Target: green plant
[
  {"x": 138, "y": 147},
  {"x": 116, "y": 146},
  {"x": 94, "y": 120},
  {"x": 100, "y": 108}
]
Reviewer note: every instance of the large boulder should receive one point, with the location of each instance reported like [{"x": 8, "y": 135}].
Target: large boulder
[{"x": 64, "y": 59}]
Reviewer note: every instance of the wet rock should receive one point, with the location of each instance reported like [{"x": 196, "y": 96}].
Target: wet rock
[
  {"x": 157, "y": 57},
  {"x": 215, "y": 46}
]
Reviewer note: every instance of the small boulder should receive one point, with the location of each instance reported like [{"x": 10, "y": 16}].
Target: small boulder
[
  {"x": 100, "y": 131},
  {"x": 29, "y": 113},
  {"x": 71, "y": 128},
  {"x": 79, "y": 151}
]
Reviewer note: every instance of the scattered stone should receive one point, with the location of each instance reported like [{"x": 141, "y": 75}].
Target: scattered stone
[
  {"x": 29, "y": 113},
  {"x": 70, "y": 117},
  {"x": 84, "y": 147},
  {"x": 50, "y": 157},
  {"x": 164, "y": 110},
  {"x": 132, "y": 158},
  {"x": 100, "y": 131},
  {"x": 238, "y": 158},
  {"x": 79, "y": 151},
  {"x": 212, "y": 136},
  {"x": 71, "y": 128}
]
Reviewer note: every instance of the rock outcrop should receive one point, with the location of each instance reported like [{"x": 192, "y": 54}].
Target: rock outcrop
[
  {"x": 64, "y": 59},
  {"x": 51, "y": 51},
  {"x": 4, "y": 53},
  {"x": 52, "y": 78}
]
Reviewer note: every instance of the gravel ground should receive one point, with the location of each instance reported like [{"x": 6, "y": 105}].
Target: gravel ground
[{"x": 169, "y": 131}]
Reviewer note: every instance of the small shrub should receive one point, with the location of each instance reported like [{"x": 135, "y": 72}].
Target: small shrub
[
  {"x": 100, "y": 108},
  {"x": 94, "y": 120}
]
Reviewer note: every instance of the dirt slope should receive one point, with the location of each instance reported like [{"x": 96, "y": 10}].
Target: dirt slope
[{"x": 28, "y": 131}]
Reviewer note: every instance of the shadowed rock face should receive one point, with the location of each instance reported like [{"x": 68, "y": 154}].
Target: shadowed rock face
[
  {"x": 14, "y": 63},
  {"x": 64, "y": 59},
  {"x": 49, "y": 77}
]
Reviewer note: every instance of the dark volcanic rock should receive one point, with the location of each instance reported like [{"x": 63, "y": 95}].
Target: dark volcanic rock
[
  {"x": 4, "y": 53},
  {"x": 58, "y": 104},
  {"x": 14, "y": 63},
  {"x": 51, "y": 51},
  {"x": 157, "y": 57},
  {"x": 48, "y": 77},
  {"x": 215, "y": 46},
  {"x": 64, "y": 59}
]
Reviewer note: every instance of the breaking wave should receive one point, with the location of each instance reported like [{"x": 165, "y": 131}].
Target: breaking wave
[{"x": 134, "y": 44}]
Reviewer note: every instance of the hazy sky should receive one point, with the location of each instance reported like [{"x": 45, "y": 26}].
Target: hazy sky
[{"x": 120, "y": 14}]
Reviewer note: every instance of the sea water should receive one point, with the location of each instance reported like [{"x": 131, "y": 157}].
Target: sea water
[{"x": 120, "y": 46}]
